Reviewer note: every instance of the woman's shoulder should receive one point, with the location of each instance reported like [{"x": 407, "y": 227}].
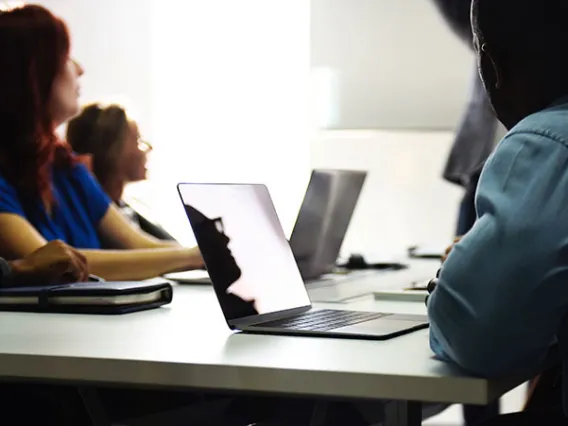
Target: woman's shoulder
[
  {"x": 78, "y": 169},
  {"x": 70, "y": 162},
  {"x": 77, "y": 181},
  {"x": 78, "y": 178}
]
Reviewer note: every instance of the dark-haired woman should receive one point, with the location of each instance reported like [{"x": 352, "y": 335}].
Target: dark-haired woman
[{"x": 112, "y": 143}]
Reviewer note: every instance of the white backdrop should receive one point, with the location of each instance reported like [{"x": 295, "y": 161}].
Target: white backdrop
[
  {"x": 111, "y": 39},
  {"x": 230, "y": 95},
  {"x": 384, "y": 64}
]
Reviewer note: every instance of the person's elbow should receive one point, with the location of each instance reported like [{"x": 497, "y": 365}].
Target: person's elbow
[{"x": 481, "y": 342}]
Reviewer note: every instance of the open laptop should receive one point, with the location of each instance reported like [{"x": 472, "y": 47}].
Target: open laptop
[
  {"x": 323, "y": 220},
  {"x": 254, "y": 273},
  {"x": 320, "y": 228}
]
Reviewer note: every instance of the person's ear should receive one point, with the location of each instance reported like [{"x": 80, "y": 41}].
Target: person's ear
[{"x": 491, "y": 73}]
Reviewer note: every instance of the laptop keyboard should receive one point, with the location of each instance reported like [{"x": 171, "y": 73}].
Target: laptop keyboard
[{"x": 321, "y": 320}]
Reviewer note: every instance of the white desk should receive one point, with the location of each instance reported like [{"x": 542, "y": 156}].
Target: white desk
[
  {"x": 188, "y": 345},
  {"x": 419, "y": 271}
]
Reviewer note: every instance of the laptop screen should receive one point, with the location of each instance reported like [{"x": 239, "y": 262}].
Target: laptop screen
[
  {"x": 323, "y": 219},
  {"x": 246, "y": 253}
]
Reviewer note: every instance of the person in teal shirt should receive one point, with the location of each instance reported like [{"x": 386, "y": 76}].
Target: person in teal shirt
[{"x": 500, "y": 302}]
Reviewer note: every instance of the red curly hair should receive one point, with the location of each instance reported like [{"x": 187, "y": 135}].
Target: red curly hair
[{"x": 34, "y": 48}]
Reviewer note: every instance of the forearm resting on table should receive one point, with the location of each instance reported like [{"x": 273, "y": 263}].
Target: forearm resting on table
[{"x": 141, "y": 264}]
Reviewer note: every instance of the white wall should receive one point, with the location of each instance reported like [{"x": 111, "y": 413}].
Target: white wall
[
  {"x": 404, "y": 200},
  {"x": 111, "y": 39},
  {"x": 387, "y": 64},
  {"x": 230, "y": 86}
]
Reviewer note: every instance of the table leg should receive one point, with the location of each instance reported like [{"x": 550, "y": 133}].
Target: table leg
[{"x": 403, "y": 413}]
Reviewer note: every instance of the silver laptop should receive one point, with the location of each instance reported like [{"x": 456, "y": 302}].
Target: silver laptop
[
  {"x": 320, "y": 228},
  {"x": 323, "y": 220},
  {"x": 254, "y": 273}
]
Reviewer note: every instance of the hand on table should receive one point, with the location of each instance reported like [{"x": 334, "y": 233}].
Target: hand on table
[{"x": 54, "y": 263}]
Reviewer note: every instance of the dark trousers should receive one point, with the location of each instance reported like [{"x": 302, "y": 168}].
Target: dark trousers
[
  {"x": 57, "y": 405},
  {"x": 29, "y": 404},
  {"x": 529, "y": 418},
  {"x": 476, "y": 414}
]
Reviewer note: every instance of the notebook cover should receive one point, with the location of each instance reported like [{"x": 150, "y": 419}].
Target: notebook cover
[{"x": 88, "y": 289}]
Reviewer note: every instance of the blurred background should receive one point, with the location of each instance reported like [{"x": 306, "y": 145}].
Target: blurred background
[{"x": 266, "y": 90}]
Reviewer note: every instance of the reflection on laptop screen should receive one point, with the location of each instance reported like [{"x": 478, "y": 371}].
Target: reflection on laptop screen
[{"x": 244, "y": 248}]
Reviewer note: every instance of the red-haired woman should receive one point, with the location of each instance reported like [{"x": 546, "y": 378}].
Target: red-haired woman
[{"x": 45, "y": 194}]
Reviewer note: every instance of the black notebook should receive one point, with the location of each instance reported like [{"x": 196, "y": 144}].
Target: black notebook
[{"x": 105, "y": 297}]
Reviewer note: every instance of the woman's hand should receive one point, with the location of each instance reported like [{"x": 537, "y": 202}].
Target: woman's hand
[{"x": 54, "y": 263}]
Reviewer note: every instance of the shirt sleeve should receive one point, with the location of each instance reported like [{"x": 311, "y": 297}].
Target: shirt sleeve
[
  {"x": 97, "y": 199},
  {"x": 503, "y": 291},
  {"x": 9, "y": 200}
]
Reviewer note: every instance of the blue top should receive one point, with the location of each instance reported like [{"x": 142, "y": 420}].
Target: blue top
[
  {"x": 502, "y": 294},
  {"x": 80, "y": 204}
]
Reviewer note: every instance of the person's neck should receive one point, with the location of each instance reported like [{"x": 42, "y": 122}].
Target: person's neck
[
  {"x": 115, "y": 189},
  {"x": 559, "y": 100},
  {"x": 521, "y": 108},
  {"x": 543, "y": 95}
]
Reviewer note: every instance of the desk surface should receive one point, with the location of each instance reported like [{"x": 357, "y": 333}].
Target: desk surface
[
  {"x": 188, "y": 345},
  {"x": 370, "y": 281}
]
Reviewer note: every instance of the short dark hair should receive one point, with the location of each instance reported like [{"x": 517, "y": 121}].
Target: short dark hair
[{"x": 523, "y": 32}]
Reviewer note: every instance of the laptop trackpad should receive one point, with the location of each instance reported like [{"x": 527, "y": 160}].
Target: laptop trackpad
[{"x": 392, "y": 324}]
